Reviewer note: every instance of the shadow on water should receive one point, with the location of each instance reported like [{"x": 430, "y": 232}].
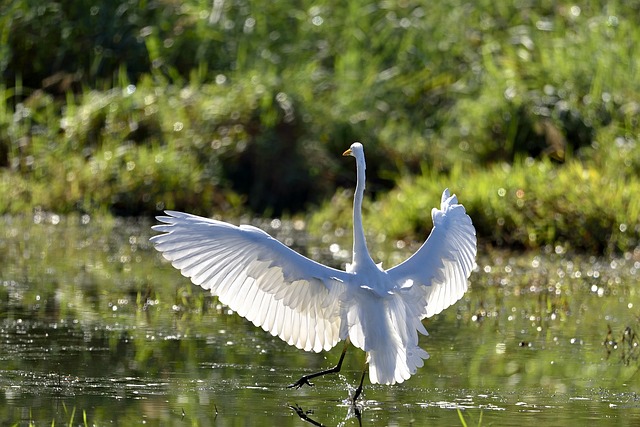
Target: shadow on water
[{"x": 94, "y": 325}]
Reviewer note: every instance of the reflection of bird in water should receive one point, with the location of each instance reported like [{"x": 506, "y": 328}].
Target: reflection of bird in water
[
  {"x": 312, "y": 306},
  {"x": 353, "y": 412}
]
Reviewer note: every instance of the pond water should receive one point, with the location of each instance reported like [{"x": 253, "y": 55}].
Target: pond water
[{"x": 96, "y": 329}]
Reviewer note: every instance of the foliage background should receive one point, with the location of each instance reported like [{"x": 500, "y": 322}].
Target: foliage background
[
  {"x": 241, "y": 108},
  {"x": 528, "y": 111}
]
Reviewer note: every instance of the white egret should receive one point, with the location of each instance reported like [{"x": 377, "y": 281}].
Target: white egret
[{"x": 312, "y": 306}]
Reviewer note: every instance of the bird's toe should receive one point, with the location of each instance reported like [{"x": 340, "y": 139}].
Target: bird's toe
[{"x": 302, "y": 381}]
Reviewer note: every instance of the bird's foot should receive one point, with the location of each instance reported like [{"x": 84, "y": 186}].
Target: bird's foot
[{"x": 302, "y": 381}]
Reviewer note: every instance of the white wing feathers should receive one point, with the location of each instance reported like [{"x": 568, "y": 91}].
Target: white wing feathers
[
  {"x": 274, "y": 287},
  {"x": 312, "y": 306},
  {"x": 435, "y": 277}
]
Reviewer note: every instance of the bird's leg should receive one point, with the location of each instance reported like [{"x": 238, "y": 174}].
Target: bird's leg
[
  {"x": 358, "y": 391},
  {"x": 305, "y": 378}
]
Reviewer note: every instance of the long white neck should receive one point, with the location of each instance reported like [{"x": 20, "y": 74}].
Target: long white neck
[{"x": 361, "y": 257}]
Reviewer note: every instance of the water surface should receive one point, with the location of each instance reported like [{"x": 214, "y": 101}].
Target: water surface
[{"x": 93, "y": 324}]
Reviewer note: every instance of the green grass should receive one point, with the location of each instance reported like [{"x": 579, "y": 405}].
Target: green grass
[
  {"x": 463, "y": 422},
  {"x": 247, "y": 106},
  {"x": 528, "y": 204}
]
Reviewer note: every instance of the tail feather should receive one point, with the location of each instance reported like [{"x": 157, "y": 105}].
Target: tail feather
[
  {"x": 391, "y": 341},
  {"x": 385, "y": 367}
]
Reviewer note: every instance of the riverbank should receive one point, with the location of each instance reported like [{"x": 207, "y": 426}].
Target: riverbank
[{"x": 529, "y": 114}]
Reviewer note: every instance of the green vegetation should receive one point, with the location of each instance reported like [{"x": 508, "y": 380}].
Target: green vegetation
[
  {"x": 463, "y": 422},
  {"x": 529, "y": 113}
]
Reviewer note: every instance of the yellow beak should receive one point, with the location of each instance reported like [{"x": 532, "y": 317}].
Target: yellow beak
[{"x": 347, "y": 152}]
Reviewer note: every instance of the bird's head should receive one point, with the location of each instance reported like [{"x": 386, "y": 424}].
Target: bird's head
[{"x": 356, "y": 150}]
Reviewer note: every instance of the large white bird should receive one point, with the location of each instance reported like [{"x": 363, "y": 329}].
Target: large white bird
[{"x": 312, "y": 306}]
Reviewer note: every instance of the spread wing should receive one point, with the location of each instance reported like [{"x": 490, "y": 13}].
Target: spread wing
[
  {"x": 435, "y": 277},
  {"x": 263, "y": 280}
]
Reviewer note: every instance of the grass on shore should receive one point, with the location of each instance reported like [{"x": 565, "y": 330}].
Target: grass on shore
[{"x": 530, "y": 113}]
